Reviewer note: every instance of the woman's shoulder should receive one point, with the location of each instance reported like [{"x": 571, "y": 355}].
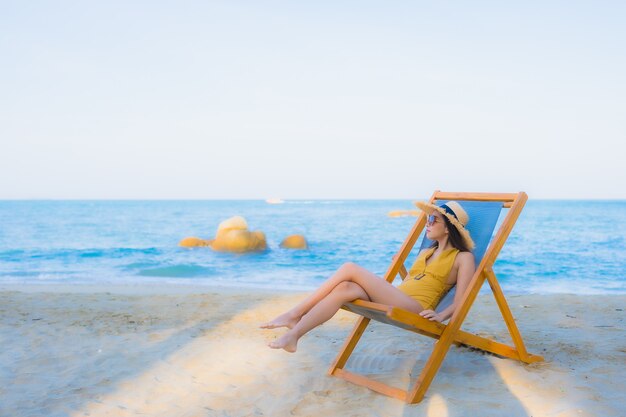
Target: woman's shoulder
[{"x": 464, "y": 256}]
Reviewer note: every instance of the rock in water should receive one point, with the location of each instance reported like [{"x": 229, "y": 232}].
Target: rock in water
[
  {"x": 294, "y": 242},
  {"x": 192, "y": 242},
  {"x": 233, "y": 236}
]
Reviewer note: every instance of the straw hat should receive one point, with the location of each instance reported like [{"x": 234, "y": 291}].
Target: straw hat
[{"x": 454, "y": 213}]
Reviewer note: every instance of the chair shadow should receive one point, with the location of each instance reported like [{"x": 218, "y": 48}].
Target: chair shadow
[{"x": 467, "y": 382}]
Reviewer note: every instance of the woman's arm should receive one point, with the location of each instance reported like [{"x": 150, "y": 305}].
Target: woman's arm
[{"x": 465, "y": 272}]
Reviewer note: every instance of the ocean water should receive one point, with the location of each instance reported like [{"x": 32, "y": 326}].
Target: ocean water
[{"x": 556, "y": 246}]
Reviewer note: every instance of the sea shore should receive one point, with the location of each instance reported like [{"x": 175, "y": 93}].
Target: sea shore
[{"x": 197, "y": 351}]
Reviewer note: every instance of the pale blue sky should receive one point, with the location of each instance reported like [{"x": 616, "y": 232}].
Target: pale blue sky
[{"x": 340, "y": 100}]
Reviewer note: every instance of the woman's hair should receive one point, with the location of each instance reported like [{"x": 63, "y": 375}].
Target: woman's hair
[{"x": 454, "y": 237}]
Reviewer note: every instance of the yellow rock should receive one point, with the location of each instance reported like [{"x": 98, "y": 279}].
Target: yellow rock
[
  {"x": 403, "y": 213},
  {"x": 233, "y": 223},
  {"x": 192, "y": 242},
  {"x": 240, "y": 241},
  {"x": 233, "y": 236},
  {"x": 294, "y": 242}
]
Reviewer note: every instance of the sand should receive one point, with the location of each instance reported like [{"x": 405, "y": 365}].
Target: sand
[{"x": 193, "y": 351}]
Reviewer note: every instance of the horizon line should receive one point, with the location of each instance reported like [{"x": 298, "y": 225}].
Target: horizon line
[{"x": 288, "y": 199}]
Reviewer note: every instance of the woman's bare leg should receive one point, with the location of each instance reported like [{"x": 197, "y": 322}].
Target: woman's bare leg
[
  {"x": 357, "y": 283},
  {"x": 291, "y": 317},
  {"x": 320, "y": 313},
  {"x": 377, "y": 289}
]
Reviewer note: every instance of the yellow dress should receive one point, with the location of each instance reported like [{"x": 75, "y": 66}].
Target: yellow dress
[{"x": 427, "y": 283}]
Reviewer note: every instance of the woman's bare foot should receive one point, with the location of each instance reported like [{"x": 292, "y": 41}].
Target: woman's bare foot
[
  {"x": 287, "y": 319},
  {"x": 288, "y": 341}
]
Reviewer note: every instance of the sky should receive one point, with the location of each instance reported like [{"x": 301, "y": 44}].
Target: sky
[{"x": 311, "y": 100}]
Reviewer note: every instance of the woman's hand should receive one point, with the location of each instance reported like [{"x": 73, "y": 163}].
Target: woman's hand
[{"x": 431, "y": 315}]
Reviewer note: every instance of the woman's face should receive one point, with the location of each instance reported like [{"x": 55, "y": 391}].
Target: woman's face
[{"x": 435, "y": 226}]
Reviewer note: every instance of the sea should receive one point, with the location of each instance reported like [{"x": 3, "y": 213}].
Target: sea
[{"x": 556, "y": 246}]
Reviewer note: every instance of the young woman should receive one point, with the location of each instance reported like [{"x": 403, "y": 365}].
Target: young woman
[{"x": 447, "y": 262}]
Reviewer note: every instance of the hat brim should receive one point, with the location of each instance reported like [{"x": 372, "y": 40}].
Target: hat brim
[{"x": 430, "y": 208}]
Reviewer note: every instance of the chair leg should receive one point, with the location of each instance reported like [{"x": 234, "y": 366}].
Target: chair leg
[
  {"x": 508, "y": 317},
  {"x": 430, "y": 370},
  {"x": 446, "y": 339},
  {"x": 349, "y": 345}
]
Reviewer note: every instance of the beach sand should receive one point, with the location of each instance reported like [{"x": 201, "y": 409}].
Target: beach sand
[{"x": 187, "y": 351}]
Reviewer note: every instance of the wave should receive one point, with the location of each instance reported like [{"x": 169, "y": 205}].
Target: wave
[
  {"x": 20, "y": 255},
  {"x": 178, "y": 271}
]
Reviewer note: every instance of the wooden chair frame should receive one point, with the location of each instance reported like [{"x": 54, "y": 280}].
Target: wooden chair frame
[{"x": 445, "y": 333}]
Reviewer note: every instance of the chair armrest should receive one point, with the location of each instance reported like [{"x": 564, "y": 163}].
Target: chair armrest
[{"x": 403, "y": 272}]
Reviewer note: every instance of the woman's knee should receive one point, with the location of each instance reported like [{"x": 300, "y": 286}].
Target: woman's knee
[
  {"x": 349, "y": 268},
  {"x": 349, "y": 289}
]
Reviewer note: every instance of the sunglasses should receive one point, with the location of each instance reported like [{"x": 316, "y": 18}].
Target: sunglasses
[{"x": 432, "y": 219}]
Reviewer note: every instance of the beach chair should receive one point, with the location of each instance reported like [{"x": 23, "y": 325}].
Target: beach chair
[{"x": 484, "y": 211}]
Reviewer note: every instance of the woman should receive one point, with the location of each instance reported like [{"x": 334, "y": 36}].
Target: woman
[{"x": 447, "y": 262}]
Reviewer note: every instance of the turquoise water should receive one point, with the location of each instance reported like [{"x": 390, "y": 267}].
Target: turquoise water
[{"x": 555, "y": 247}]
